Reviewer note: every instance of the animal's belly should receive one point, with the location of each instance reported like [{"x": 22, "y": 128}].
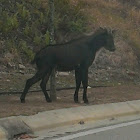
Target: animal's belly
[
  {"x": 68, "y": 62},
  {"x": 65, "y": 68}
]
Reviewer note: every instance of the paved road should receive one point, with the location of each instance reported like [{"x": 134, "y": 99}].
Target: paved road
[{"x": 124, "y": 131}]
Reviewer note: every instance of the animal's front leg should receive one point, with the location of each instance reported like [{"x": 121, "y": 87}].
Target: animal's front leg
[{"x": 78, "y": 83}]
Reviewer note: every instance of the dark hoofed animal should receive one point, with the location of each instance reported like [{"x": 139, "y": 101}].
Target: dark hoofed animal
[{"x": 75, "y": 55}]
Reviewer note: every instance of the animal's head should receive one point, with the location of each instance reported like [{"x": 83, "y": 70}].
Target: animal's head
[{"x": 109, "y": 39}]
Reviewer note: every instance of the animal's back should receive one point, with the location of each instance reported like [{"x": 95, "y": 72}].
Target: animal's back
[{"x": 64, "y": 55}]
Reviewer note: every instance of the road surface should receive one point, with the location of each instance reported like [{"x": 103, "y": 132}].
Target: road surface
[{"x": 123, "y": 131}]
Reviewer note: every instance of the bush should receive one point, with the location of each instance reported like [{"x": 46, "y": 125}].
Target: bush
[
  {"x": 70, "y": 17},
  {"x": 28, "y": 21}
]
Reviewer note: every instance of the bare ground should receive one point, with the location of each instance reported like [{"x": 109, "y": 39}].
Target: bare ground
[{"x": 35, "y": 102}]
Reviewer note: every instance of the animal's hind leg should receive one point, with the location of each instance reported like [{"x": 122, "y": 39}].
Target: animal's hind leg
[
  {"x": 29, "y": 83},
  {"x": 85, "y": 84},
  {"x": 43, "y": 86},
  {"x": 78, "y": 83}
]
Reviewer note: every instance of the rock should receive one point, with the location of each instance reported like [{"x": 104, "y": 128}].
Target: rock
[
  {"x": 81, "y": 122},
  {"x": 106, "y": 79},
  {"x": 21, "y": 72},
  {"x": 63, "y": 73},
  {"x": 10, "y": 65},
  {"x": 96, "y": 79},
  {"x": 21, "y": 67},
  {"x": 131, "y": 73},
  {"x": 9, "y": 56},
  {"x": 109, "y": 68},
  {"x": 119, "y": 83},
  {"x": 88, "y": 87}
]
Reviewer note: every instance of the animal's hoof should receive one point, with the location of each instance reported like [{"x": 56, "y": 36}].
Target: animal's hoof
[
  {"x": 76, "y": 101},
  {"x": 22, "y": 100},
  {"x": 49, "y": 100},
  {"x": 86, "y": 101}
]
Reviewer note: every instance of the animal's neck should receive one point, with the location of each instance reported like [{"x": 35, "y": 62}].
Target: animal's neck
[{"x": 97, "y": 43}]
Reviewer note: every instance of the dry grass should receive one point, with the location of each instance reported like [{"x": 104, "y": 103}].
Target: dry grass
[{"x": 124, "y": 18}]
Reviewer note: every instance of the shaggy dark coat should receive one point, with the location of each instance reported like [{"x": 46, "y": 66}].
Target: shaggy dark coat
[{"x": 75, "y": 55}]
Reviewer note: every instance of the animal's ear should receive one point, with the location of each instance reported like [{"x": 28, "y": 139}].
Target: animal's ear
[{"x": 104, "y": 30}]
